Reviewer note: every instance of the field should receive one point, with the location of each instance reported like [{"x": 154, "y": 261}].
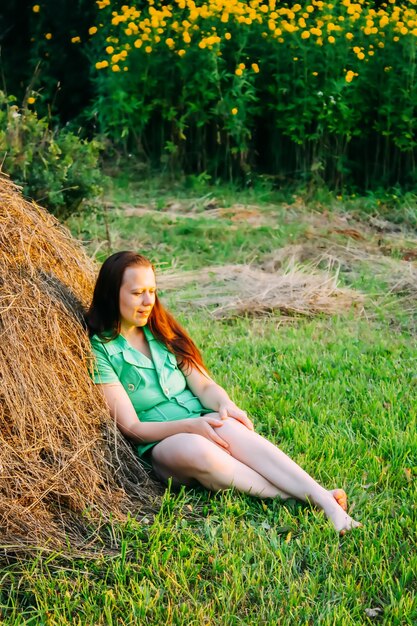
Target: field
[{"x": 335, "y": 392}]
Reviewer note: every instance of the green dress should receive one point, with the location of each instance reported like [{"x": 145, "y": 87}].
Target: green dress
[{"x": 156, "y": 387}]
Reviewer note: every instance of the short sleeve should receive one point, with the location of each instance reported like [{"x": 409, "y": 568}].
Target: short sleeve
[{"x": 102, "y": 371}]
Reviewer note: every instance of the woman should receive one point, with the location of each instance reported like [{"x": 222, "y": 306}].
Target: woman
[{"x": 161, "y": 396}]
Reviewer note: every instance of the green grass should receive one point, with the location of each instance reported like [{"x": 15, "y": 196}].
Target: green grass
[
  {"x": 182, "y": 241},
  {"x": 338, "y": 395}
]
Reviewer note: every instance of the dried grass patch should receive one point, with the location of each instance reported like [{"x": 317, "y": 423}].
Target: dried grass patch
[
  {"x": 206, "y": 208},
  {"x": 400, "y": 274},
  {"x": 234, "y": 290},
  {"x": 64, "y": 468}
]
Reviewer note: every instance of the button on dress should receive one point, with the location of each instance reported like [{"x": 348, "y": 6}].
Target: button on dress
[{"x": 156, "y": 387}]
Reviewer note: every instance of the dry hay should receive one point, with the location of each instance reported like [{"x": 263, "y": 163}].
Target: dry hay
[
  {"x": 234, "y": 290},
  {"x": 205, "y": 207},
  {"x": 399, "y": 274},
  {"x": 64, "y": 469}
]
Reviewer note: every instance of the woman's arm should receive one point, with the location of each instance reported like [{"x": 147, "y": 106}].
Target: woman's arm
[
  {"x": 212, "y": 396},
  {"x": 121, "y": 409}
]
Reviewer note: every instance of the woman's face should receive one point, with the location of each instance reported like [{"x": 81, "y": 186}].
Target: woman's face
[{"x": 136, "y": 296}]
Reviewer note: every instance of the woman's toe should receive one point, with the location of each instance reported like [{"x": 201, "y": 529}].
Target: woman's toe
[{"x": 341, "y": 498}]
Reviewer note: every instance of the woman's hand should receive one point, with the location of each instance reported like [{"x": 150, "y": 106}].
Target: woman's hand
[
  {"x": 206, "y": 426},
  {"x": 229, "y": 409},
  {"x": 211, "y": 395}
]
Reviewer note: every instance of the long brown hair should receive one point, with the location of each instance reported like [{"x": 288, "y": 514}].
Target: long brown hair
[{"x": 103, "y": 316}]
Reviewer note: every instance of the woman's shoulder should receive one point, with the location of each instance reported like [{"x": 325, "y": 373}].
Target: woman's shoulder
[
  {"x": 97, "y": 341},
  {"x": 106, "y": 344}
]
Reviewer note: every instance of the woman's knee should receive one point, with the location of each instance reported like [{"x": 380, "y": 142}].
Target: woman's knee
[
  {"x": 232, "y": 427},
  {"x": 185, "y": 450}
]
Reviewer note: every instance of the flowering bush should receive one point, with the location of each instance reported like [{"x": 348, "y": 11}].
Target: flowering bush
[
  {"x": 55, "y": 168},
  {"x": 227, "y": 86}
]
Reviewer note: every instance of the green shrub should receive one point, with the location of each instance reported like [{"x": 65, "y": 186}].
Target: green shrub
[
  {"x": 55, "y": 167},
  {"x": 302, "y": 90}
]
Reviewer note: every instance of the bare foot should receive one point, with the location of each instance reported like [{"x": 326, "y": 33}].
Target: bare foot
[
  {"x": 342, "y": 521},
  {"x": 340, "y": 496},
  {"x": 350, "y": 524}
]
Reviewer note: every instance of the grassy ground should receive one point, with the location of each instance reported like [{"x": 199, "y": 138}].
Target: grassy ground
[{"x": 337, "y": 394}]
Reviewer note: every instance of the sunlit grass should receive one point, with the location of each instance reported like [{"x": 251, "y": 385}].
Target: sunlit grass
[{"x": 338, "y": 395}]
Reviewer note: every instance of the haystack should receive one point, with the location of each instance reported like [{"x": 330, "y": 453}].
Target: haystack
[{"x": 64, "y": 468}]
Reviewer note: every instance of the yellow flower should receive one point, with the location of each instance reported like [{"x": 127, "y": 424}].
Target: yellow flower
[
  {"x": 31, "y": 100},
  {"x": 356, "y": 50},
  {"x": 148, "y": 49},
  {"x": 349, "y": 76},
  {"x": 186, "y": 37},
  {"x": 92, "y": 30},
  {"x": 170, "y": 42},
  {"x": 331, "y": 39},
  {"x": 181, "y": 53},
  {"x": 242, "y": 66},
  {"x": 138, "y": 43},
  {"x": 238, "y": 71},
  {"x": 115, "y": 68},
  {"x": 75, "y": 40},
  {"x": 235, "y": 111},
  {"x": 227, "y": 36},
  {"x": 109, "y": 49},
  {"x": 36, "y": 8},
  {"x": 361, "y": 56},
  {"x": 48, "y": 36},
  {"x": 305, "y": 34},
  {"x": 290, "y": 28},
  {"x": 349, "y": 36},
  {"x": 255, "y": 68},
  {"x": 315, "y": 73}
]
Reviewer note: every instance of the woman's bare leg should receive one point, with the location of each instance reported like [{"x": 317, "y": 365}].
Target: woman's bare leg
[
  {"x": 277, "y": 468},
  {"x": 187, "y": 457}
]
